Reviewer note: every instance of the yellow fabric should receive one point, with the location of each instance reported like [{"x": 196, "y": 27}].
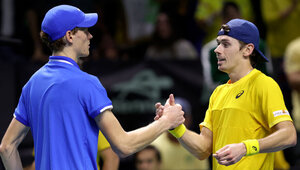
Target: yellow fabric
[
  {"x": 209, "y": 10},
  {"x": 102, "y": 144},
  {"x": 292, "y": 65},
  {"x": 178, "y": 131},
  {"x": 252, "y": 146},
  {"x": 246, "y": 109},
  {"x": 176, "y": 157},
  {"x": 280, "y": 31},
  {"x": 280, "y": 162}
]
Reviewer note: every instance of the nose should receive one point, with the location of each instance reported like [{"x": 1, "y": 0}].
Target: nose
[
  {"x": 90, "y": 36},
  {"x": 217, "y": 50}
]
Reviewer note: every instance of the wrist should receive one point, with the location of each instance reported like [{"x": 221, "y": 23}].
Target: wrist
[
  {"x": 252, "y": 146},
  {"x": 178, "y": 131}
]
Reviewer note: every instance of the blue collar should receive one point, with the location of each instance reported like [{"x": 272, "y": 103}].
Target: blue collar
[{"x": 63, "y": 59}]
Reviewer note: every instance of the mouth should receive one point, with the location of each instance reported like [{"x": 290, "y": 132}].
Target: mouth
[{"x": 221, "y": 60}]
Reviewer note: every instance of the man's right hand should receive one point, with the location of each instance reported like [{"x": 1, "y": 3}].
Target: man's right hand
[{"x": 171, "y": 112}]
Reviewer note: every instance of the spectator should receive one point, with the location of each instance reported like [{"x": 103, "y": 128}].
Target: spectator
[
  {"x": 148, "y": 158},
  {"x": 292, "y": 70},
  {"x": 208, "y": 15},
  {"x": 282, "y": 26},
  {"x": 166, "y": 44}
]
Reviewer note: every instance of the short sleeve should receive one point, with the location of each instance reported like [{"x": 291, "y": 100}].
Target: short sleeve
[
  {"x": 94, "y": 97},
  {"x": 21, "y": 113},
  {"x": 273, "y": 106}
]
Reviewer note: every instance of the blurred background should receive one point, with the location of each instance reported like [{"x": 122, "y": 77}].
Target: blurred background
[{"x": 143, "y": 50}]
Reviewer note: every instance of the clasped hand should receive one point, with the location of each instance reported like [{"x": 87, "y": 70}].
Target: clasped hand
[{"x": 171, "y": 111}]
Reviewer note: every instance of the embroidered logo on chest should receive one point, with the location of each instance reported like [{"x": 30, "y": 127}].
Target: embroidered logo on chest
[{"x": 239, "y": 94}]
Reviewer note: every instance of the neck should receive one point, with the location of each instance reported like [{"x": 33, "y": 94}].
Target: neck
[
  {"x": 66, "y": 54},
  {"x": 237, "y": 75}
]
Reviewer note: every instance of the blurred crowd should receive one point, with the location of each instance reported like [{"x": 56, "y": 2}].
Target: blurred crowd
[{"x": 139, "y": 30}]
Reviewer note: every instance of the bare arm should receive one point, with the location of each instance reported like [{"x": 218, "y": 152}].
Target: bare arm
[
  {"x": 10, "y": 142},
  {"x": 284, "y": 136},
  {"x": 110, "y": 159},
  {"x": 126, "y": 143},
  {"x": 199, "y": 145}
]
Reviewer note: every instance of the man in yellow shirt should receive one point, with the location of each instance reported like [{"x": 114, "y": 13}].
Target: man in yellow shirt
[{"x": 246, "y": 120}]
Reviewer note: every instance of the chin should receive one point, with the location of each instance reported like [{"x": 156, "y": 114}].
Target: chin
[
  {"x": 84, "y": 55},
  {"x": 222, "y": 69}
]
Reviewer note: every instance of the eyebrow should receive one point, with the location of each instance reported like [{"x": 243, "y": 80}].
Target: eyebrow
[{"x": 222, "y": 40}]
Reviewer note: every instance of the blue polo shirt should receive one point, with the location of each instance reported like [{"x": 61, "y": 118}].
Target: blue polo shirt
[{"x": 59, "y": 104}]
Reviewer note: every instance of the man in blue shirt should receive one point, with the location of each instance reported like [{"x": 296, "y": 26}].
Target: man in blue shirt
[{"x": 64, "y": 107}]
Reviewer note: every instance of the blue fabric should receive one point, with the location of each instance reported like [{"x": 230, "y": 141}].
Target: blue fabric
[
  {"x": 60, "y": 19},
  {"x": 59, "y": 103},
  {"x": 245, "y": 31}
]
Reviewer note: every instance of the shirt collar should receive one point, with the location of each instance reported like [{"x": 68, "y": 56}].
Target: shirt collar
[{"x": 63, "y": 59}]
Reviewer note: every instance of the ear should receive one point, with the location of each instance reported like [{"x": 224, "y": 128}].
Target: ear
[
  {"x": 248, "y": 49},
  {"x": 69, "y": 36}
]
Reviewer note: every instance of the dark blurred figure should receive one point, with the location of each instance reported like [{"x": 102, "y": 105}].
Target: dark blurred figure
[
  {"x": 12, "y": 29},
  {"x": 292, "y": 71},
  {"x": 148, "y": 158},
  {"x": 209, "y": 18},
  {"x": 282, "y": 26},
  {"x": 166, "y": 44}
]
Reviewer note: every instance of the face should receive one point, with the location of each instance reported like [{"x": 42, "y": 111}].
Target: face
[
  {"x": 228, "y": 53},
  {"x": 81, "y": 42},
  {"x": 146, "y": 160},
  {"x": 163, "y": 26}
]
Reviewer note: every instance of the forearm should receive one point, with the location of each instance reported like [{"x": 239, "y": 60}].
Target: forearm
[
  {"x": 110, "y": 160},
  {"x": 9, "y": 144},
  {"x": 127, "y": 143},
  {"x": 10, "y": 157},
  {"x": 199, "y": 145},
  {"x": 280, "y": 139},
  {"x": 135, "y": 140}
]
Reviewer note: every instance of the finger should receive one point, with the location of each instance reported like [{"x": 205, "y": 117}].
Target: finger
[
  {"x": 227, "y": 157},
  {"x": 157, "y": 105},
  {"x": 223, "y": 154},
  {"x": 215, "y": 155},
  {"x": 167, "y": 102},
  {"x": 222, "y": 149},
  {"x": 226, "y": 162},
  {"x": 171, "y": 100}
]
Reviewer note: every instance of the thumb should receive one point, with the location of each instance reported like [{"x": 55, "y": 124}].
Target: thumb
[{"x": 171, "y": 100}]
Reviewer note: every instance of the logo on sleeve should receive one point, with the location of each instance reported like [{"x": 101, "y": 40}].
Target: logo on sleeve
[
  {"x": 280, "y": 113},
  {"x": 239, "y": 94}
]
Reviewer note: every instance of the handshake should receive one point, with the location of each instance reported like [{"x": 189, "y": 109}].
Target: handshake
[{"x": 172, "y": 114}]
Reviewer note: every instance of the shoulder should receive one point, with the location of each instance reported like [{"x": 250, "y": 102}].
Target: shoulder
[
  {"x": 264, "y": 85},
  {"x": 262, "y": 80}
]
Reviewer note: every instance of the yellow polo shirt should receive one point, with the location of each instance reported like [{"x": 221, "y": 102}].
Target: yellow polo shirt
[{"x": 246, "y": 109}]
